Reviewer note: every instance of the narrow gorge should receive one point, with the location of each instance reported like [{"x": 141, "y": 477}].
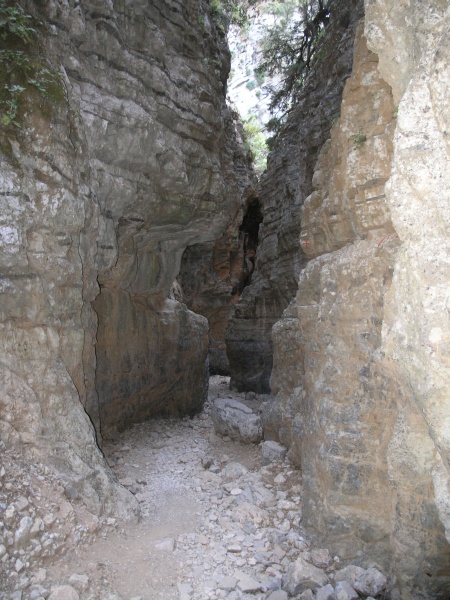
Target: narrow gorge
[{"x": 140, "y": 254}]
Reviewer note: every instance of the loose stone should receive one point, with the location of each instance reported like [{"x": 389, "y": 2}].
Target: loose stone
[
  {"x": 371, "y": 583},
  {"x": 63, "y": 592},
  {"x": 326, "y": 593},
  {"x": 301, "y": 575},
  {"x": 227, "y": 583},
  {"x": 344, "y": 591}
]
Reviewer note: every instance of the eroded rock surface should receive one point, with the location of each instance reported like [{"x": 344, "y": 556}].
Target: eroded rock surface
[
  {"x": 213, "y": 275},
  {"x": 284, "y": 187},
  {"x": 365, "y": 415},
  {"x": 416, "y": 334},
  {"x": 101, "y": 193}
]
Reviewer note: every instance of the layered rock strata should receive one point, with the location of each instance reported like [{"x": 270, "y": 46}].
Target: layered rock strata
[
  {"x": 284, "y": 186},
  {"x": 101, "y": 194},
  {"x": 365, "y": 414}
]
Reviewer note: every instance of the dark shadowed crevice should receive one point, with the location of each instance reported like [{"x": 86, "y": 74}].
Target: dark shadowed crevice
[
  {"x": 249, "y": 233},
  {"x": 213, "y": 275}
]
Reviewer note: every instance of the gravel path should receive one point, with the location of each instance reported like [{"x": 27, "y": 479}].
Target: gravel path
[
  {"x": 215, "y": 525},
  {"x": 214, "y": 532}
]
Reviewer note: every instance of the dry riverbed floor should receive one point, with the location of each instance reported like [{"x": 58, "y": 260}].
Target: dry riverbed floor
[{"x": 215, "y": 524}]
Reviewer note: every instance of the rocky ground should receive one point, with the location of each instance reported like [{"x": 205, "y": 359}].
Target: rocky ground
[{"x": 215, "y": 524}]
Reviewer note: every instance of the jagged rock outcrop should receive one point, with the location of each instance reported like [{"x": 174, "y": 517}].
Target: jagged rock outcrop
[
  {"x": 213, "y": 275},
  {"x": 284, "y": 187},
  {"x": 366, "y": 415},
  {"x": 101, "y": 194}
]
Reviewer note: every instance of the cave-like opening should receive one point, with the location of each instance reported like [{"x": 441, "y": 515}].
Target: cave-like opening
[{"x": 249, "y": 231}]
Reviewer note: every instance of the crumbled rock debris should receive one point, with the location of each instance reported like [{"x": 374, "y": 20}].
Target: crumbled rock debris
[{"x": 216, "y": 524}]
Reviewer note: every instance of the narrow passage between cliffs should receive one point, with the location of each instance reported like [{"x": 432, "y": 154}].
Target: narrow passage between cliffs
[{"x": 215, "y": 523}]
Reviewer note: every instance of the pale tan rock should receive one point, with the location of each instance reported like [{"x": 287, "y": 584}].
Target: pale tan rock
[
  {"x": 63, "y": 592},
  {"x": 368, "y": 421},
  {"x": 415, "y": 335}
]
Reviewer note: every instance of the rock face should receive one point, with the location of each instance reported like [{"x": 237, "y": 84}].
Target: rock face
[
  {"x": 101, "y": 194},
  {"x": 213, "y": 275},
  {"x": 365, "y": 414},
  {"x": 164, "y": 373},
  {"x": 284, "y": 187},
  {"x": 207, "y": 274},
  {"x": 416, "y": 335}
]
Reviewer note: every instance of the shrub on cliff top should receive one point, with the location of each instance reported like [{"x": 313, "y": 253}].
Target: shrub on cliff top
[
  {"x": 227, "y": 12},
  {"x": 288, "y": 49}
]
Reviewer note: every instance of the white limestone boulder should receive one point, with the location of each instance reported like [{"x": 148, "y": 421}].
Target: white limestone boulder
[{"x": 236, "y": 420}]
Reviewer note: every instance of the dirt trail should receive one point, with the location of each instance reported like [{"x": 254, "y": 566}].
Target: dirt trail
[
  {"x": 215, "y": 525},
  {"x": 161, "y": 462}
]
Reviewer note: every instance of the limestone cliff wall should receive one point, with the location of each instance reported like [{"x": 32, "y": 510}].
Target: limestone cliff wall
[
  {"x": 365, "y": 414},
  {"x": 416, "y": 328},
  {"x": 213, "y": 274},
  {"x": 101, "y": 194},
  {"x": 284, "y": 186}
]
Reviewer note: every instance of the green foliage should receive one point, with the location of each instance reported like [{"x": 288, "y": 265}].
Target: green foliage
[
  {"x": 273, "y": 125},
  {"x": 227, "y": 12},
  {"x": 284, "y": 10},
  {"x": 256, "y": 143},
  {"x": 288, "y": 49},
  {"x": 260, "y": 77},
  {"x": 14, "y": 22},
  {"x": 22, "y": 70},
  {"x": 359, "y": 139}
]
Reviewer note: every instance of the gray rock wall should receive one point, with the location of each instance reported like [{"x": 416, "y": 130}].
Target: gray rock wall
[
  {"x": 101, "y": 193},
  {"x": 284, "y": 186}
]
